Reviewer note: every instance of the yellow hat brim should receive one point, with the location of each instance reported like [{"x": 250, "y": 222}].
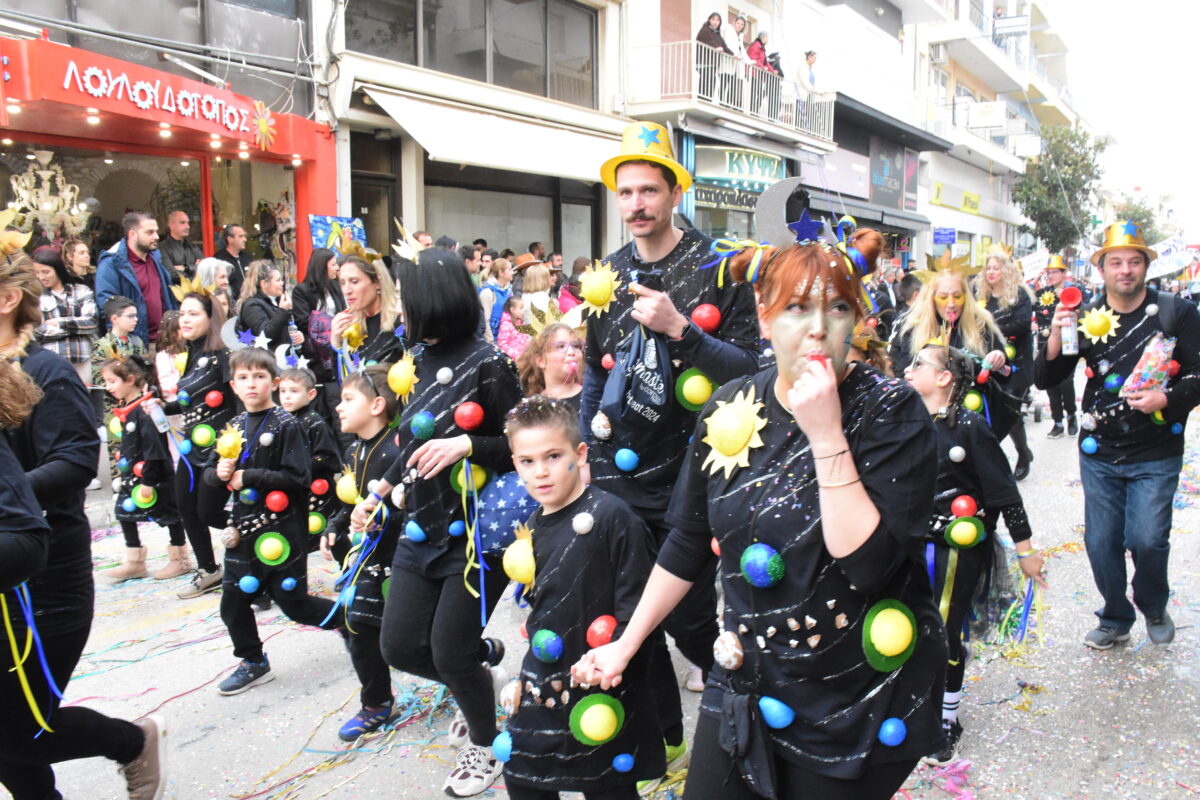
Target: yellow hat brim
[
  {"x": 608, "y": 170},
  {"x": 1151, "y": 255}
]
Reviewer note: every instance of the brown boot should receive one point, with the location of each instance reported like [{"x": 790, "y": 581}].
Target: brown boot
[
  {"x": 134, "y": 566},
  {"x": 177, "y": 564},
  {"x": 146, "y": 775}
]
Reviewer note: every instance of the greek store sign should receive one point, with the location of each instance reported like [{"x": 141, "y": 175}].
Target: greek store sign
[{"x": 737, "y": 165}]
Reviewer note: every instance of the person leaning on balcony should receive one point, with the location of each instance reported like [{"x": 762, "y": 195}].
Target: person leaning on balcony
[
  {"x": 706, "y": 62},
  {"x": 734, "y": 41}
]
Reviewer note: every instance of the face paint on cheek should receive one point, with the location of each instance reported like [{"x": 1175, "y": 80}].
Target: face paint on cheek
[{"x": 570, "y": 467}]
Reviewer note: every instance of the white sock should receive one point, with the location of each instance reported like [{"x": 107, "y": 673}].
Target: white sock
[{"x": 950, "y": 702}]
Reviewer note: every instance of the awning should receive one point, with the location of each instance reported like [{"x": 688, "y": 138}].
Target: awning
[
  {"x": 906, "y": 219},
  {"x": 862, "y": 211},
  {"x": 853, "y": 112},
  {"x": 462, "y": 135}
]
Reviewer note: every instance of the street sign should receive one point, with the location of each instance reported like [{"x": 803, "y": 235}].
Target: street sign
[{"x": 945, "y": 235}]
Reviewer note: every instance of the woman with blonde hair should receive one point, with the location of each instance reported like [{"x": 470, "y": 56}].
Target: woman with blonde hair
[
  {"x": 265, "y": 308},
  {"x": 1002, "y": 291},
  {"x": 370, "y": 314},
  {"x": 550, "y": 364},
  {"x": 536, "y": 290}
]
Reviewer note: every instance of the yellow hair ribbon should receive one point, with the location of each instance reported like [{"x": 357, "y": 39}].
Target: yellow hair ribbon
[
  {"x": 724, "y": 249},
  {"x": 18, "y": 665},
  {"x": 470, "y": 521}
]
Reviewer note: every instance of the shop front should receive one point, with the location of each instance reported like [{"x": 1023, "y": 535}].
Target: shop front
[
  {"x": 728, "y": 181},
  {"x": 86, "y": 138}
]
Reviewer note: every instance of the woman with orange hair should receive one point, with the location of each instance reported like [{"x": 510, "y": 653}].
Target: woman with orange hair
[{"x": 831, "y": 641}]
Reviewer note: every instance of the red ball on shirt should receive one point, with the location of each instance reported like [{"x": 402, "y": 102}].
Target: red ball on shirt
[
  {"x": 607, "y": 361},
  {"x": 716, "y": 547},
  {"x": 320, "y": 486},
  {"x": 1088, "y": 372},
  {"x": 138, "y": 467},
  {"x": 1172, "y": 368},
  {"x": 963, "y": 506},
  {"x": 524, "y": 633},
  {"x": 213, "y": 399},
  {"x": 707, "y": 317},
  {"x": 983, "y": 376},
  {"x": 468, "y": 416},
  {"x": 277, "y": 501},
  {"x": 600, "y": 632},
  {"x": 872, "y": 322}
]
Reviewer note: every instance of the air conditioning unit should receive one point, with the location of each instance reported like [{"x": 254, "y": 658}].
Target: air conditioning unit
[{"x": 937, "y": 54}]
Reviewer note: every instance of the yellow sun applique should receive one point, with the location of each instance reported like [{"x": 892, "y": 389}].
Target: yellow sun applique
[
  {"x": 353, "y": 337},
  {"x": 732, "y": 432},
  {"x": 598, "y": 287},
  {"x": 1048, "y": 298},
  {"x": 230, "y": 442},
  {"x": 402, "y": 377},
  {"x": 1098, "y": 324}
]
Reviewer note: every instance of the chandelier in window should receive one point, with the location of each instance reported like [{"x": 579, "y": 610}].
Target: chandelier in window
[{"x": 45, "y": 199}]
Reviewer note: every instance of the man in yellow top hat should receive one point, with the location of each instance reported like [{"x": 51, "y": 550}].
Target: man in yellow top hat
[
  {"x": 1062, "y": 396},
  {"x": 661, "y": 285},
  {"x": 1131, "y": 449}
]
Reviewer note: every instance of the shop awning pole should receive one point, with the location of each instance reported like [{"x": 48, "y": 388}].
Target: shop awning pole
[{"x": 206, "y": 207}]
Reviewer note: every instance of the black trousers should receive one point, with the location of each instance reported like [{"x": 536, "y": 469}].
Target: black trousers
[
  {"x": 432, "y": 627},
  {"x": 78, "y": 732},
  {"x": 297, "y": 604},
  {"x": 1062, "y": 398},
  {"x": 713, "y": 776},
  {"x": 629, "y": 792},
  {"x": 200, "y": 507},
  {"x": 369, "y": 666},
  {"x": 133, "y": 539}
]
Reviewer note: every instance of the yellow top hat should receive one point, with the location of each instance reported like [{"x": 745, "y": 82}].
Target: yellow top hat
[
  {"x": 1123, "y": 233},
  {"x": 645, "y": 141},
  {"x": 1056, "y": 262}
]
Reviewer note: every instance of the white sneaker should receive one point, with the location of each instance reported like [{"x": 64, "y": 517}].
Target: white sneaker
[
  {"x": 499, "y": 678},
  {"x": 474, "y": 771},
  {"x": 458, "y": 735}
]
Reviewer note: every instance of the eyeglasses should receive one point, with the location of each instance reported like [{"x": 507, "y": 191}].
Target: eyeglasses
[
  {"x": 134, "y": 315},
  {"x": 562, "y": 347},
  {"x": 920, "y": 359}
]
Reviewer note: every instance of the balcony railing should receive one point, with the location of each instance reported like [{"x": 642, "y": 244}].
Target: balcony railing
[{"x": 694, "y": 72}]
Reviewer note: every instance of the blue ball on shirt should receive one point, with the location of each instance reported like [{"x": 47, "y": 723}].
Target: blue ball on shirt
[
  {"x": 1177, "y": 428},
  {"x": 414, "y": 531},
  {"x": 502, "y": 746},
  {"x": 458, "y": 528},
  {"x": 893, "y": 731},
  {"x": 1089, "y": 445},
  {"x": 184, "y": 446},
  {"x": 128, "y": 505},
  {"x": 623, "y": 762},
  {"x": 776, "y": 713},
  {"x": 184, "y": 399},
  {"x": 626, "y": 460},
  {"x": 287, "y": 584},
  {"x": 248, "y": 584}
]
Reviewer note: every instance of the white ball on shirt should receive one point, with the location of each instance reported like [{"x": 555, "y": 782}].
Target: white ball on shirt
[
  {"x": 583, "y": 522},
  {"x": 1151, "y": 310},
  {"x": 266, "y": 439},
  {"x": 957, "y": 454},
  {"x": 445, "y": 375}
]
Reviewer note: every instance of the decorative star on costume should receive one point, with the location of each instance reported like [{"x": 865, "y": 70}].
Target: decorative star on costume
[
  {"x": 1099, "y": 323},
  {"x": 946, "y": 265},
  {"x": 1128, "y": 228},
  {"x": 246, "y": 337},
  {"x": 301, "y": 362},
  {"x": 261, "y": 341},
  {"x": 648, "y": 136},
  {"x": 805, "y": 228},
  {"x": 598, "y": 286},
  {"x": 733, "y": 432}
]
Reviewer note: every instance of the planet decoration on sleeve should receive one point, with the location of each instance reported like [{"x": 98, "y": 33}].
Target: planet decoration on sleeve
[
  {"x": 762, "y": 566},
  {"x": 965, "y": 532},
  {"x": 598, "y": 287},
  {"x": 547, "y": 646},
  {"x": 597, "y": 719},
  {"x": 692, "y": 389},
  {"x": 480, "y": 476},
  {"x": 423, "y": 425},
  {"x": 272, "y": 549},
  {"x": 1098, "y": 324},
  {"x": 732, "y": 432},
  {"x": 468, "y": 415},
  {"x": 402, "y": 377},
  {"x": 203, "y": 435},
  {"x": 248, "y": 497},
  {"x": 889, "y": 635}
]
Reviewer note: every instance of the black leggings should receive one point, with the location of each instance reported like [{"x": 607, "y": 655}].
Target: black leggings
[
  {"x": 212, "y": 500},
  {"x": 1062, "y": 398},
  {"x": 78, "y": 732},
  {"x": 629, "y": 792},
  {"x": 431, "y": 628},
  {"x": 713, "y": 776},
  {"x": 296, "y": 603},
  {"x": 372, "y": 670},
  {"x": 133, "y": 539}
]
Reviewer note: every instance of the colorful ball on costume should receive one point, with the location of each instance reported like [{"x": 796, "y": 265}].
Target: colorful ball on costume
[
  {"x": 1157, "y": 418},
  {"x": 272, "y": 549},
  {"x": 1097, "y": 325},
  {"x": 600, "y": 632},
  {"x": 123, "y": 466},
  {"x": 1113, "y": 382},
  {"x": 479, "y": 477},
  {"x": 128, "y": 506},
  {"x": 1010, "y": 352},
  {"x": 248, "y": 496},
  {"x": 287, "y": 584},
  {"x": 1089, "y": 445},
  {"x": 889, "y": 635},
  {"x": 347, "y": 489},
  {"x": 277, "y": 501},
  {"x": 622, "y": 762},
  {"x": 973, "y": 401},
  {"x": 596, "y": 719},
  {"x": 248, "y": 584},
  {"x": 184, "y": 446},
  {"x": 414, "y": 531},
  {"x": 502, "y": 747},
  {"x": 692, "y": 389},
  {"x": 114, "y": 428},
  {"x": 181, "y": 362},
  {"x": 706, "y": 317},
  {"x": 1172, "y": 368},
  {"x": 145, "y": 496},
  {"x": 400, "y": 376},
  {"x": 983, "y": 376},
  {"x": 184, "y": 399},
  {"x": 965, "y": 532},
  {"x": 518, "y": 561},
  {"x": 423, "y": 425},
  {"x": 458, "y": 528},
  {"x": 715, "y": 546},
  {"x": 444, "y": 375},
  {"x": 762, "y": 566},
  {"x": 776, "y": 713},
  {"x": 468, "y": 416},
  {"x": 213, "y": 399},
  {"x": 1176, "y": 428},
  {"x": 203, "y": 435},
  {"x": 582, "y": 523},
  {"x": 957, "y": 454},
  {"x": 607, "y": 361},
  {"x": 316, "y": 522},
  {"x": 963, "y": 506},
  {"x": 893, "y": 731},
  {"x": 626, "y": 460},
  {"x": 547, "y": 646},
  {"x": 138, "y": 468}
]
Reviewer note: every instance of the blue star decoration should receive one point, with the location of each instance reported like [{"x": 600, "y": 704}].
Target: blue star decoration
[
  {"x": 1128, "y": 228},
  {"x": 805, "y": 229},
  {"x": 648, "y": 136},
  {"x": 246, "y": 337}
]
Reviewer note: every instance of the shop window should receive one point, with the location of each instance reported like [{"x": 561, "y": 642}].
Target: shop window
[
  {"x": 456, "y": 38},
  {"x": 261, "y": 198},
  {"x": 503, "y": 218},
  {"x": 246, "y": 27},
  {"x": 519, "y": 45},
  {"x": 175, "y": 20},
  {"x": 383, "y": 28},
  {"x": 571, "y": 34},
  {"x": 577, "y": 233},
  {"x": 368, "y": 154}
]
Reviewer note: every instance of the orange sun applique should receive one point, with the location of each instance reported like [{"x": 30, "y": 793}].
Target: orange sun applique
[{"x": 263, "y": 122}]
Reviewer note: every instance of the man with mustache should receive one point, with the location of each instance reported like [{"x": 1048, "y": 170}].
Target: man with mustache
[{"x": 649, "y": 184}]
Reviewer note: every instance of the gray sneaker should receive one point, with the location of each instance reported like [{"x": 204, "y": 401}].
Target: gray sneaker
[
  {"x": 202, "y": 583},
  {"x": 146, "y": 775},
  {"x": 247, "y": 676},
  {"x": 1104, "y": 638},
  {"x": 1161, "y": 630}
]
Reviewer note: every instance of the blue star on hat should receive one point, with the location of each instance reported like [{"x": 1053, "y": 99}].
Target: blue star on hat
[
  {"x": 246, "y": 337},
  {"x": 648, "y": 136},
  {"x": 805, "y": 229},
  {"x": 1128, "y": 228}
]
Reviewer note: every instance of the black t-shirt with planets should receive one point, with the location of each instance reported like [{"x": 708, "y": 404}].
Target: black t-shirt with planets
[
  {"x": 591, "y": 559},
  {"x": 325, "y": 460},
  {"x": 803, "y": 640},
  {"x": 144, "y": 450},
  {"x": 203, "y": 398}
]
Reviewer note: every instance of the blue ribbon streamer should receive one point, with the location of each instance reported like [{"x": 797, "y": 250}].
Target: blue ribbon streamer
[
  {"x": 1023, "y": 628},
  {"x": 26, "y": 604},
  {"x": 347, "y": 591},
  {"x": 930, "y": 560}
]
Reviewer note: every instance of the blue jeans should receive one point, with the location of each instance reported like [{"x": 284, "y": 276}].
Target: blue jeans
[{"x": 1128, "y": 507}]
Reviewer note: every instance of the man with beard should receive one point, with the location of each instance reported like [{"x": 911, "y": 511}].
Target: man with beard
[
  {"x": 649, "y": 184},
  {"x": 132, "y": 269}
]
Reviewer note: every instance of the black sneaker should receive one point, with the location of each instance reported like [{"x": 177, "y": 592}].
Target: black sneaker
[
  {"x": 247, "y": 676},
  {"x": 1104, "y": 638},
  {"x": 493, "y": 651},
  {"x": 1056, "y": 431},
  {"x": 1072, "y": 426},
  {"x": 944, "y": 756},
  {"x": 1161, "y": 630}
]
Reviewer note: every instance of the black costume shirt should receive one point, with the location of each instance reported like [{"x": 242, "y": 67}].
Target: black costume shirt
[
  {"x": 204, "y": 373},
  {"x": 803, "y": 637},
  {"x": 379, "y": 346},
  {"x": 326, "y": 462},
  {"x": 1016, "y": 323},
  {"x": 477, "y": 372},
  {"x": 24, "y": 533},
  {"x": 578, "y": 577},
  {"x": 142, "y": 443},
  {"x": 730, "y": 352},
  {"x": 1123, "y": 435},
  {"x": 59, "y": 449},
  {"x": 983, "y": 474}
]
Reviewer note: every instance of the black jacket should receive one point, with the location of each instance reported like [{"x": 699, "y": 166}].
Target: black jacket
[
  {"x": 179, "y": 257},
  {"x": 237, "y": 268},
  {"x": 260, "y": 314}
]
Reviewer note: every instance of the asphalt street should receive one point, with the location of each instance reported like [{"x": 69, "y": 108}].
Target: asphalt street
[{"x": 1050, "y": 719}]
